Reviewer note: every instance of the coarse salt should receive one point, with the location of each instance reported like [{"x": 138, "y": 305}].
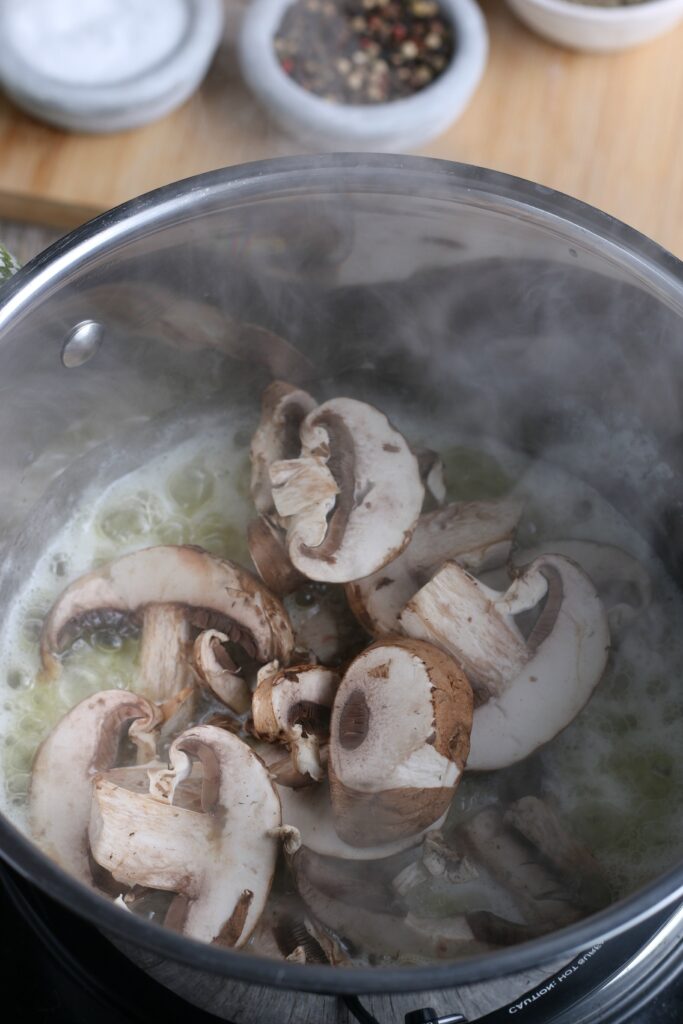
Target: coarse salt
[{"x": 94, "y": 42}]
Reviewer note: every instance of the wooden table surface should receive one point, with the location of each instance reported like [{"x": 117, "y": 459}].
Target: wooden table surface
[{"x": 604, "y": 128}]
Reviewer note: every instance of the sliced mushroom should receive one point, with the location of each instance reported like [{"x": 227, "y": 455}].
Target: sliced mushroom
[
  {"x": 217, "y": 671},
  {"x": 351, "y": 499},
  {"x": 143, "y": 841},
  {"x": 292, "y": 706},
  {"x": 85, "y": 741},
  {"x": 283, "y": 408},
  {"x": 309, "y": 811},
  {"x": 270, "y": 556},
  {"x": 540, "y": 895},
  {"x": 621, "y": 580},
  {"x": 399, "y": 741},
  {"x": 164, "y": 651},
  {"x": 431, "y": 469},
  {"x": 219, "y": 862},
  {"x": 534, "y": 820},
  {"x": 377, "y": 929},
  {"x": 186, "y": 582},
  {"x": 532, "y": 688},
  {"x": 364, "y": 884},
  {"x": 461, "y": 615},
  {"x": 476, "y": 534},
  {"x": 280, "y": 765}
]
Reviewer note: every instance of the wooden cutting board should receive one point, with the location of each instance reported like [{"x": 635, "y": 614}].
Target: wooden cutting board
[{"x": 604, "y": 128}]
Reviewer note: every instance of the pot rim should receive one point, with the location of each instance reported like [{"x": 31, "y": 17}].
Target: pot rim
[{"x": 438, "y": 179}]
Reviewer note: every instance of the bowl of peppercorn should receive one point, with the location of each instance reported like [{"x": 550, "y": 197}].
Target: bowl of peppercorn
[{"x": 363, "y": 74}]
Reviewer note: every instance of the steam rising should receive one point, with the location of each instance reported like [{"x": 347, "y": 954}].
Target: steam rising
[{"x": 473, "y": 330}]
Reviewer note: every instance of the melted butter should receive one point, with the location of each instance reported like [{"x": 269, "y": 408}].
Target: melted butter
[{"x": 614, "y": 774}]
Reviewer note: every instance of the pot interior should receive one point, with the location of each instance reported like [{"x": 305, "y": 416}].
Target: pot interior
[{"x": 531, "y": 342}]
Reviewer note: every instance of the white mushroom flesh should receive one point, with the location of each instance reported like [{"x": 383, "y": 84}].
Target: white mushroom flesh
[
  {"x": 283, "y": 407},
  {"x": 534, "y": 687},
  {"x": 143, "y": 841},
  {"x": 398, "y": 741},
  {"x": 464, "y": 617},
  {"x": 293, "y": 706},
  {"x": 217, "y": 673},
  {"x": 85, "y": 741},
  {"x": 164, "y": 651},
  {"x": 351, "y": 500},
  {"x": 237, "y": 865},
  {"x": 476, "y": 534}
]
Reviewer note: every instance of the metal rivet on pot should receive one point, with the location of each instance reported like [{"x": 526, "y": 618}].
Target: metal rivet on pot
[{"x": 81, "y": 343}]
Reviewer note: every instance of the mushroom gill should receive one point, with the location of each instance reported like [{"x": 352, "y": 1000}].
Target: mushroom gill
[
  {"x": 168, "y": 589},
  {"x": 86, "y": 740}
]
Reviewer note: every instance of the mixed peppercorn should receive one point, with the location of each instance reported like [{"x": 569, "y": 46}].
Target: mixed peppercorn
[{"x": 364, "y": 51}]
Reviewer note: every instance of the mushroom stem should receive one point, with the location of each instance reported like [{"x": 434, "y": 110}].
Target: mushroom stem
[
  {"x": 292, "y": 706},
  {"x": 242, "y": 807},
  {"x": 141, "y": 840},
  {"x": 283, "y": 407},
  {"x": 164, "y": 651},
  {"x": 461, "y": 615},
  {"x": 528, "y": 689},
  {"x": 475, "y": 534},
  {"x": 305, "y": 491}
]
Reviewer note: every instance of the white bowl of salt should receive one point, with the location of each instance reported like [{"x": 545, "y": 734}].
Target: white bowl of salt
[{"x": 105, "y": 65}]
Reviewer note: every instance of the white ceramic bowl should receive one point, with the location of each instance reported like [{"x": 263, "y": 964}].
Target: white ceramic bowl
[
  {"x": 399, "y": 125},
  {"x": 115, "y": 104},
  {"x": 599, "y": 29}
]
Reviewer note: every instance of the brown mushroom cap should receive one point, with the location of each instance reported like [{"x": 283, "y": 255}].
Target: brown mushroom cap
[
  {"x": 270, "y": 556},
  {"x": 476, "y": 534},
  {"x": 283, "y": 407},
  {"x": 85, "y": 741},
  {"x": 209, "y": 590},
  {"x": 399, "y": 740},
  {"x": 351, "y": 499},
  {"x": 531, "y": 687},
  {"x": 309, "y": 811}
]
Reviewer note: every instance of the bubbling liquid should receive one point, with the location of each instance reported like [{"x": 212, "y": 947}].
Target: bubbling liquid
[{"x": 614, "y": 774}]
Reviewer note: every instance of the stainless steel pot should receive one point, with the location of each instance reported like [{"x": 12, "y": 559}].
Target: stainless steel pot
[{"x": 438, "y": 284}]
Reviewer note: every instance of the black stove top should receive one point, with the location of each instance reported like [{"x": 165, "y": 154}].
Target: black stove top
[{"x": 56, "y": 966}]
